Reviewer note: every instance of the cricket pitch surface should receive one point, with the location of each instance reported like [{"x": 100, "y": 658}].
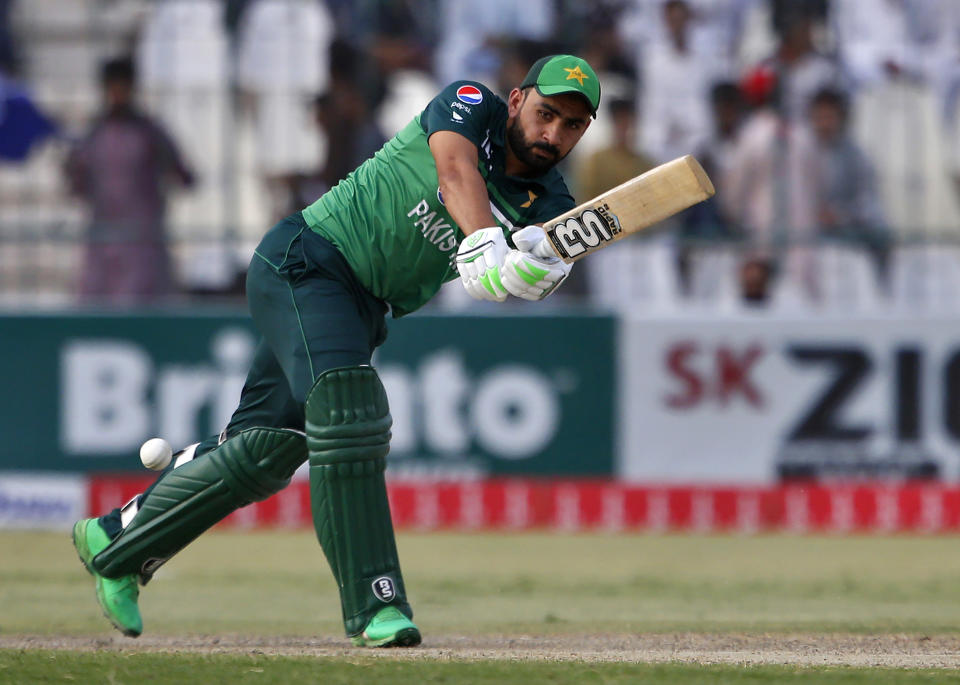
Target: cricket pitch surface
[{"x": 889, "y": 651}]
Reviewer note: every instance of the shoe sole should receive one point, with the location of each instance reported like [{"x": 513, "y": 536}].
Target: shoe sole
[
  {"x": 96, "y": 589},
  {"x": 406, "y": 637}
]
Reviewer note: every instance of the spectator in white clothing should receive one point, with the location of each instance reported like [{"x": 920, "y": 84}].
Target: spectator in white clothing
[
  {"x": 183, "y": 57},
  {"x": 900, "y": 54},
  {"x": 770, "y": 190},
  {"x": 676, "y": 76},
  {"x": 715, "y": 25},
  {"x": 283, "y": 63},
  {"x": 889, "y": 39}
]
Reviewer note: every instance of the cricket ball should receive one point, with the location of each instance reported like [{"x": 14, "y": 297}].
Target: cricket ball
[{"x": 155, "y": 454}]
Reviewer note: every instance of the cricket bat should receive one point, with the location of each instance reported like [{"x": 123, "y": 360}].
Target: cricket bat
[{"x": 629, "y": 208}]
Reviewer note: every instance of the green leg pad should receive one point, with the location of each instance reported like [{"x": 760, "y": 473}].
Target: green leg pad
[
  {"x": 192, "y": 497},
  {"x": 348, "y": 437}
]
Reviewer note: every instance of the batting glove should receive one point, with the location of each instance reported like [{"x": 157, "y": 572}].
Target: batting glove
[
  {"x": 533, "y": 239},
  {"x": 530, "y": 277},
  {"x": 479, "y": 259},
  {"x": 527, "y": 272}
]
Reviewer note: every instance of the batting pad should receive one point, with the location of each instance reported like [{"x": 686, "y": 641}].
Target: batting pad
[
  {"x": 192, "y": 497},
  {"x": 348, "y": 437}
]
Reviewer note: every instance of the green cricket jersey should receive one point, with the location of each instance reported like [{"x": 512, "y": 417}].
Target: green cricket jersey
[{"x": 388, "y": 217}]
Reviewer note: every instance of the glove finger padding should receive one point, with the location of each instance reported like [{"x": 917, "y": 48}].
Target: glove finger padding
[
  {"x": 533, "y": 239},
  {"x": 479, "y": 259},
  {"x": 528, "y": 237},
  {"x": 477, "y": 291},
  {"x": 530, "y": 277}
]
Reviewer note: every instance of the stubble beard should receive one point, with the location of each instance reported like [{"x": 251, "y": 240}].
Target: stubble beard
[{"x": 523, "y": 150}]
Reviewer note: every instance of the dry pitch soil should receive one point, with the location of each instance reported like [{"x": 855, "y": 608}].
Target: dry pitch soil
[{"x": 901, "y": 651}]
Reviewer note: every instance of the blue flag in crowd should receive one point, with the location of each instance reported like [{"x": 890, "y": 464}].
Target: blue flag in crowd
[{"x": 21, "y": 123}]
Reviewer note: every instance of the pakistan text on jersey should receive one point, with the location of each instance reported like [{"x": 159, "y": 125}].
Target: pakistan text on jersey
[{"x": 433, "y": 227}]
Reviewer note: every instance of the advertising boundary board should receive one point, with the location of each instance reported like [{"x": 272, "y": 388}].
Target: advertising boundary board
[
  {"x": 470, "y": 396},
  {"x": 516, "y": 504},
  {"x": 41, "y": 500},
  {"x": 757, "y": 399}
]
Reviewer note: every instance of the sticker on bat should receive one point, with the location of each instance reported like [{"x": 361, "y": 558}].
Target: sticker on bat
[{"x": 577, "y": 235}]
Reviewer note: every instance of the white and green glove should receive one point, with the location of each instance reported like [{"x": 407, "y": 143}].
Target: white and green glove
[
  {"x": 527, "y": 272},
  {"x": 479, "y": 261}
]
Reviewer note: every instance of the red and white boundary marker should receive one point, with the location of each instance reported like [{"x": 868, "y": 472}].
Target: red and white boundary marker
[{"x": 584, "y": 505}]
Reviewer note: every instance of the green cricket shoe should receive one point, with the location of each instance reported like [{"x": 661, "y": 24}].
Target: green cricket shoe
[
  {"x": 388, "y": 628},
  {"x": 117, "y": 596}
]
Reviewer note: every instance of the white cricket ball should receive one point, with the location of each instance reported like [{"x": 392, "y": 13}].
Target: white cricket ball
[{"x": 155, "y": 453}]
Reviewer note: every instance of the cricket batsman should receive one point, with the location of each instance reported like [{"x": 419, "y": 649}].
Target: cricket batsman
[{"x": 457, "y": 193}]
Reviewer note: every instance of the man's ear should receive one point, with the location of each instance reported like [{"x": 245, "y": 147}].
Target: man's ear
[{"x": 514, "y": 102}]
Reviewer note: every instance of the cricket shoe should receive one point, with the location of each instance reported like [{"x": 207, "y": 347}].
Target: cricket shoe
[
  {"x": 117, "y": 596},
  {"x": 388, "y": 628}
]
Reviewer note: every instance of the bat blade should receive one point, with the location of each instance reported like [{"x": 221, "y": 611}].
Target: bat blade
[{"x": 629, "y": 208}]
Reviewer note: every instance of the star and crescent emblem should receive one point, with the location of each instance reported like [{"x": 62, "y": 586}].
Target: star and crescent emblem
[{"x": 575, "y": 73}]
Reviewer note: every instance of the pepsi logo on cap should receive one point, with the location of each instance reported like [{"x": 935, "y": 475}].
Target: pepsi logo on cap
[{"x": 469, "y": 94}]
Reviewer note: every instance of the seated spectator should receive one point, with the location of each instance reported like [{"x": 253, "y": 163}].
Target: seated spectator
[
  {"x": 616, "y": 163},
  {"x": 122, "y": 168},
  {"x": 770, "y": 191},
  {"x": 848, "y": 202},
  {"x": 706, "y": 221},
  {"x": 715, "y": 153},
  {"x": 755, "y": 275}
]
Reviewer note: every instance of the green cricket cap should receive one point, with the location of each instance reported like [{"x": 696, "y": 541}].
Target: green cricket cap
[{"x": 556, "y": 74}]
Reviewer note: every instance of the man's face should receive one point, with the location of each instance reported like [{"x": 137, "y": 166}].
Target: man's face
[
  {"x": 541, "y": 130},
  {"x": 727, "y": 115},
  {"x": 118, "y": 93},
  {"x": 826, "y": 121},
  {"x": 677, "y": 17}
]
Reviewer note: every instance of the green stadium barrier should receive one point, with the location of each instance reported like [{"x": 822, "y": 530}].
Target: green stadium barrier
[{"x": 489, "y": 395}]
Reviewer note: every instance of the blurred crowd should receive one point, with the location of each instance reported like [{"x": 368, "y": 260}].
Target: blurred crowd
[{"x": 827, "y": 126}]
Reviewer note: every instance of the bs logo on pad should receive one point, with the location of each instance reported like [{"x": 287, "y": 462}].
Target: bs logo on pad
[
  {"x": 470, "y": 95},
  {"x": 383, "y": 589}
]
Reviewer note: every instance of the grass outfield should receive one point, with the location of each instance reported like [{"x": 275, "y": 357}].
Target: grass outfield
[
  {"x": 480, "y": 597},
  {"x": 59, "y": 667}
]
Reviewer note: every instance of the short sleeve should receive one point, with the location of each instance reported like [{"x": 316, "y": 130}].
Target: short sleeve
[{"x": 465, "y": 107}]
